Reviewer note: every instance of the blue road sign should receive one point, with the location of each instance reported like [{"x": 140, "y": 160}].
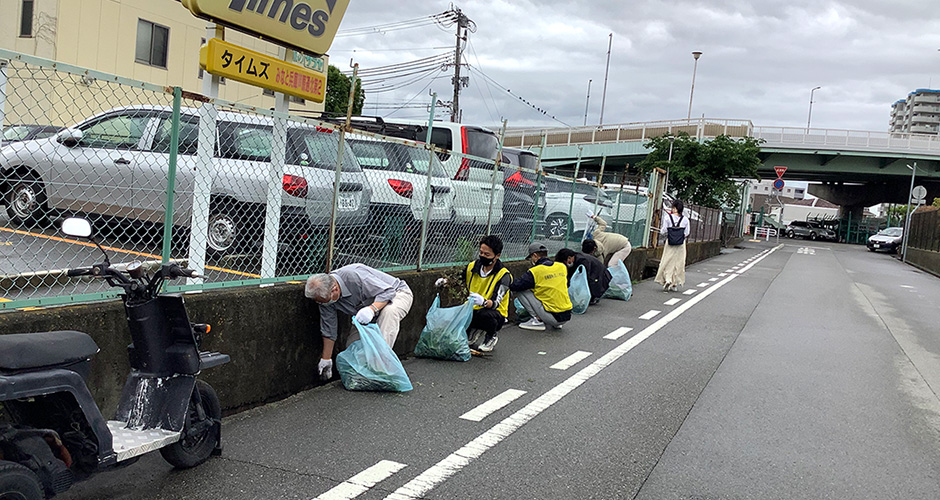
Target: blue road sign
[{"x": 778, "y": 184}]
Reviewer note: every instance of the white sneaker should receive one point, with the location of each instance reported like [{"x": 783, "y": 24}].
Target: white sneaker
[
  {"x": 489, "y": 344},
  {"x": 533, "y": 324}
]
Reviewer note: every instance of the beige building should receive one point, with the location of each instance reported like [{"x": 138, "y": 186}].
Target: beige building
[
  {"x": 155, "y": 41},
  {"x": 919, "y": 113}
]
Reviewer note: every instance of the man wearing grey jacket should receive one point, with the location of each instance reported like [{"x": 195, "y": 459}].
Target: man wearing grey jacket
[{"x": 360, "y": 291}]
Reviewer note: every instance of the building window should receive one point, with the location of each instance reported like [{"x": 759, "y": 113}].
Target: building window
[
  {"x": 26, "y": 19},
  {"x": 267, "y": 92},
  {"x": 152, "y": 43},
  {"x": 297, "y": 100}
]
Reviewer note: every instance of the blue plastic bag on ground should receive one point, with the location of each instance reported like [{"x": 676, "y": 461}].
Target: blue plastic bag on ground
[
  {"x": 445, "y": 335},
  {"x": 620, "y": 285},
  {"x": 521, "y": 313},
  {"x": 579, "y": 292},
  {"x": 369, "y": 364}
]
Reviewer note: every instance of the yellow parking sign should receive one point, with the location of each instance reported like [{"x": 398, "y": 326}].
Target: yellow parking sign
[{"x": 222, "y": 58}]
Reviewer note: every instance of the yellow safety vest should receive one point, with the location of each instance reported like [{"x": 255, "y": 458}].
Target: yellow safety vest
[
  {"x": 551, "y": 286},
  {"x": 485, "y": 287}
]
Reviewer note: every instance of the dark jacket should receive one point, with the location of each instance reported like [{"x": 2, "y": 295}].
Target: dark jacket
[{"x": 597, "y": 274}]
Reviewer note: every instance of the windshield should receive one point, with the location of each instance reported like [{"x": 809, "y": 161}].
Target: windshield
[
  {"x": 481, "y": 143},
  {"x": 395, "y": 157},
  {"x": 16, "y": 132},
  {"x": 305, "y": 146},
  {"x": 892, "y": 231}
]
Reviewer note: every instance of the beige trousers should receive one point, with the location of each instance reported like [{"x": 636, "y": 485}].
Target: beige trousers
[{"x": 389, "y": 319}]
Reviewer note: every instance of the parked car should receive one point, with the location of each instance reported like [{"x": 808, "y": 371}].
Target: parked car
[
  {"x": 809, "y": 229},
  {"x": 629, "y": 207},
  {"x": 398, "y": 175},
  {"x": 17, "y": 133},
  {"x": 562, "y": 211},
  {"x": 473, "y": 179},
  {"x": 887, "y": 239},
  {"x": 519, "y": 181},
  {"x": 115, "y": 164}
]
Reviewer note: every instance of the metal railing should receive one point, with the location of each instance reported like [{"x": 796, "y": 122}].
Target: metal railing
[{"x": 249, "y": 196}]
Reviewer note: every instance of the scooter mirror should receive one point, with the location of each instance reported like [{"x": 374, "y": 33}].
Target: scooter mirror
[{"x": 77, "y": 227}]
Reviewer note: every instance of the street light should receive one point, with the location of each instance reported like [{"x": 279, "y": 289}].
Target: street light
[
  {"x": 587, "y": 101},
  {"x": 810, "y": 116},
  {"x": 907, "y": 221},
  {"x": 696, "y": 55}
]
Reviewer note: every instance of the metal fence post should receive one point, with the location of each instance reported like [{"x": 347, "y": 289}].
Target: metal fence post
[
  {"x": 171, "y": 174},
  {"x": 337, "y": 180},
  {"x": 427, "y": 198},
  {"x": 577, "y": 168},
  {"x": 538, "y": 186},
  {"x": 499, "y": 161},
  {"x": 600, "y": 182},
  {"x": 4, "y": 64},
  {"x": 272, "y": 212}
]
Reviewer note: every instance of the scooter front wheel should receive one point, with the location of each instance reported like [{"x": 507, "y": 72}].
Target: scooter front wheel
[
  {"x": 18, "y": 482},
  {"x": 201, "y": 431}
]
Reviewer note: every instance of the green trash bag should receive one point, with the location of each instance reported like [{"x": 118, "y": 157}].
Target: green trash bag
[
  {"x": 369, "y": 364},
  {"x": 620, "y": 285},
  {"x": 445, "y": 335},
  {"x": 579, "y": 292},
  {"x": 521, "y": 313}
]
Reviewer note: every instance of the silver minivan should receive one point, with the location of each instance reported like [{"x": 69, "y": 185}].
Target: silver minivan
[{"x": 116, "y": 164}]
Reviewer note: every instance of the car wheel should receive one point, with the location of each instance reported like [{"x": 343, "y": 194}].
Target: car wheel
[
  {"x": 791, "y": 234},
  {"x": 26, "y": 201},
  {"x": 870, "y": 249},
  {"x": 812, "y": 236},
  {"x": 18, "y": 482},
  {"x": 557, "y": 225},
  {"x": 226, "y": 231}
]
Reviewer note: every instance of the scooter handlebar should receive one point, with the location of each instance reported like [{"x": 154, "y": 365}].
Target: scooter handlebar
[{"x": 79, "y": 271}]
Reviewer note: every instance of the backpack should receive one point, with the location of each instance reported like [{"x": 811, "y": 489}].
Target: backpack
[{"x": 675, "y": 235}]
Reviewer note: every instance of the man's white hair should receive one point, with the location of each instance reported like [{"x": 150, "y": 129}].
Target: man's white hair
[{"x": 319, "y": 286}]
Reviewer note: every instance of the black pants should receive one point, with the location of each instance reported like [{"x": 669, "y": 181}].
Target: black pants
[{"x": 488, "y": 320}]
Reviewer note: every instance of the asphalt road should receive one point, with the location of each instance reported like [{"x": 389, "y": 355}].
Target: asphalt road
[{"x": 806, "y": 370}]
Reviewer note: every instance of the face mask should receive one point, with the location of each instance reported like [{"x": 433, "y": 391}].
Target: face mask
[{"x": 486, "y": 261}]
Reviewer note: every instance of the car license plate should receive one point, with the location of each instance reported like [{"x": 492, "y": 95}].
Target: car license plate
[
  {"x": 876, "y": 245},
  {"x": 438, "y": 201},
  {"x": 348, "y": 202}
]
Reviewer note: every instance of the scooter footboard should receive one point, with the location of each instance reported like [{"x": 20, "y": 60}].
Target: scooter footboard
[{"x": 155, "y": 403}]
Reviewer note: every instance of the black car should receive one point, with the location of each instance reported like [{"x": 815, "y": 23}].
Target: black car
[
  {"x": 887, "y": 239},
  {"x": 809, "y": 229},
  {"x": 16, "y": 133}
]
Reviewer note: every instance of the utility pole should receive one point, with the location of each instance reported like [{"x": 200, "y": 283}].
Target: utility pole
[
  {"x": 462, "y": 23},
  {"x": 610, "y": 45}
]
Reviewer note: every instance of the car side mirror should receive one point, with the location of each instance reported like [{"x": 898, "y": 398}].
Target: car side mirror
[
  {"x": 76, "y": 227},
  {"x": 70, "y": 137}
]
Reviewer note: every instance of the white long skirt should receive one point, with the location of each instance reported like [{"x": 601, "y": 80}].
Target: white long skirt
[{"x": 672, "y": 266}]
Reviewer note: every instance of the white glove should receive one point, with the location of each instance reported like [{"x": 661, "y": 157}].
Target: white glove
[
  {"x": 365, "y": 315},
  {"x": 325, "y": 369},
  {"x": 440, "y": 282},
  {"x": 590, "y": 215},
  {"x": 477, "y": 299}
]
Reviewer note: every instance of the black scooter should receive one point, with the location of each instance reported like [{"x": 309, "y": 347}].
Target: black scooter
[{"x": 51, "y": 431}]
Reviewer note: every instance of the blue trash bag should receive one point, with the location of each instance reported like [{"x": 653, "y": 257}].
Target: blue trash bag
[
  {"x": 521, "y": 313},
  {"x": 445, "y": 335},
  {"x": 620, "y": 285},
  {"x": 589, "y": 231},
  {"x": 579, "y": 291},
  {"x": 369, "y": 364}
]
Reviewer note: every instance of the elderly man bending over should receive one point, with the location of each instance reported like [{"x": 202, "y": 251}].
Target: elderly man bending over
[{"x": 357, "y": 290}]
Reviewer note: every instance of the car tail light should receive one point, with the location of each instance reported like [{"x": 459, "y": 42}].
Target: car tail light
[
  {"x": 294, "y": 185},
  {"x": 463, "y": 173},
  {"x": 324, "y": 129},
  {"x": 403, "y": 188},
  {"x": 516, "y": 180}
]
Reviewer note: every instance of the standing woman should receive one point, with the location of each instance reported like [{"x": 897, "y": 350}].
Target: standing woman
[{"x": 671, "y": 273}]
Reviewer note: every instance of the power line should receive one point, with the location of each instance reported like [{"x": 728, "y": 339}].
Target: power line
[
  {"x": 520, "y": 98},
  {"x": 443, "y": 19}
]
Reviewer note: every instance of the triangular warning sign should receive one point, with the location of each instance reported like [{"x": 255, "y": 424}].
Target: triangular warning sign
[{"x": 780, "y": 170}]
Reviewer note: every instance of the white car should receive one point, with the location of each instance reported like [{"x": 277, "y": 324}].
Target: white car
[
  {"x": 562, "y": 213},
  {"x": 398, "y": 175}
]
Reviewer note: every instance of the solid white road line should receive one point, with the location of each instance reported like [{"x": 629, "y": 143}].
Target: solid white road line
[
  {"x": 570, "y": 360},
  {"x": 672, "y": 302},
  {"x": 650, "y": 315},
  {"x": 689, "y": 292},
  {"x": 620, "y": 332},
  {"x": 452, "y": 464},
  {"x": 362, "y": 482},
  {"x": 484, "y": 410}
]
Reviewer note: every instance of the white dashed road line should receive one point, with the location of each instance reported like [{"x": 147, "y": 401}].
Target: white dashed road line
[
  {"x": 701, "y": 285},
  {"x": 650, "y": 315},
  {"x": 672, "y": 302},
  {"x": 689, "y": 292},
  {"x": 570, "y": 360},
  {"x": 499, "y": 402},
  {"x": 362, "y": 482},
  {"x": 713, "y": 279},
  {"x": 620, "y": 332}
]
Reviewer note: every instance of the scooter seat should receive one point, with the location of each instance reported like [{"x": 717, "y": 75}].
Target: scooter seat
[{"x": 24, "y": 351}]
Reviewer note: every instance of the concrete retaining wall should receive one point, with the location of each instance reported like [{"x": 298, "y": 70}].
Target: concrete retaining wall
[
  {"x": 924, "y": 259},
  {"x": 272, "y": 333}
]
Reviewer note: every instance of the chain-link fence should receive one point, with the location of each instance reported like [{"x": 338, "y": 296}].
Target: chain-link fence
[{"x": 248, "y": 196}]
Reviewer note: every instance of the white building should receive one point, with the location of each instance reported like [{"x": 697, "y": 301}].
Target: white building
[
  {"x": 766, "y": 187},
  {"x": 918, "y": 114}
]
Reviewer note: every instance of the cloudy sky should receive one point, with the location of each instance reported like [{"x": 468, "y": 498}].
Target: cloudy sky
[{"x": 760, "y": 58}]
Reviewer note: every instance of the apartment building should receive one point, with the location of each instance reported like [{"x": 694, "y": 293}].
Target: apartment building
[{"x": 919, "y": 113}]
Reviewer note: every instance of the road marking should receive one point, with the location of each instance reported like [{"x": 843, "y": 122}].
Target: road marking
[
  {"x": 453, "y": 463},
  {"x": 701, "y": 285},
  {"x": 570, "y": 360},
  {"x": 722, "y": 275},
  {"x": 689, "y": 292},
  {"x": 713, "y": 279},
  {"x": 672, "y": 302},
  {"x": 907, "y": 286},
  {"x": 118, "y": 250},
  {"x": 729, "y": 270},
  {"x": 620, "y": 332},
  {"x": 650, "y": 315},
  {"x": 497, "y": 403},
  {"x": 362, "y": 482},
  {"x": 807, "y": 251}
]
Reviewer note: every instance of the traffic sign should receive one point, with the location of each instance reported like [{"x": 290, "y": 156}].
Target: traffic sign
[
  {"x": 780, "y": 170},
  {"x": 919, "y": 193},
  {"x": 778, "y": 184}
]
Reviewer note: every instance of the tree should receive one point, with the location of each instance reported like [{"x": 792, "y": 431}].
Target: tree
[
  {"x": 936, "y": 202},
  {"x": 337, "y": 93},
  {"x": 704, "y": 173}
]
